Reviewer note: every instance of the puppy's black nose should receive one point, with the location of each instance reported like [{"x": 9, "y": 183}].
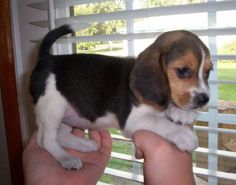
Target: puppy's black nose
[{"x": 201, "y": 99}]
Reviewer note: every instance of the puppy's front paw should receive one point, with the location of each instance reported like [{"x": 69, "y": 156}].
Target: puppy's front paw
[
  {"x": 184, "y": 139},
  {"x": 71, "y": 163},
  {"x": 88, "y": 146}
]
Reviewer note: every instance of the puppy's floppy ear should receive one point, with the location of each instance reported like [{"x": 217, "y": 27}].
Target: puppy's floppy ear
[{"x": 148, "y": 80}]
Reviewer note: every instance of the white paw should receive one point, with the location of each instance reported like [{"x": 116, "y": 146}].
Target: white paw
[
  {"x": 179, "y": 115},
  {"x": 88, "y": 146},
  {"x": 184, "y": 139},
  {"x": 71, "y": 163}
]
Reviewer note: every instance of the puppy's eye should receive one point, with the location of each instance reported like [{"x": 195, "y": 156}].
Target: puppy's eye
[{"x": 183, "y": 72}]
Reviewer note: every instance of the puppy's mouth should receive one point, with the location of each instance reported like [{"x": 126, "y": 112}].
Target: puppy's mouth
[
  {"x": 194, "y": 106},
  {"x": 190, "y": 106}
]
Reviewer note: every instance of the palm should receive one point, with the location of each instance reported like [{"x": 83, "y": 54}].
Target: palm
[{"x": 41, "y": 168}]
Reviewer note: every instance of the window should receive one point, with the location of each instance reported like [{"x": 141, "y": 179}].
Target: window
[{"x": 126, "y": 27}]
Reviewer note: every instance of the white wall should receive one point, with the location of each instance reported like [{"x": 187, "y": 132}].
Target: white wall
[{"x": 25, "y": 53}]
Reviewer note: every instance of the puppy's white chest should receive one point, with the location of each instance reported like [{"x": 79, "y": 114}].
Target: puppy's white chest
[{"x": 179, "y": 115}]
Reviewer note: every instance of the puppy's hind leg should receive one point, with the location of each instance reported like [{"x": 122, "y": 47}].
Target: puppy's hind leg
[
  {"x": 50, "y": 110},
  {"x": 67, "y": 140}
]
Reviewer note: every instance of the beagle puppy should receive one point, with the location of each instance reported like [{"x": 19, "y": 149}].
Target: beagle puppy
[{"x": 159, "y": 91}]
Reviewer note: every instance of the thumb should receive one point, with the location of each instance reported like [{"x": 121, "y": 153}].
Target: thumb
[
  {"x": 138, "y": 153},
  {"x": 146, "y": 142},
  {"x": 139, "y": 142}
]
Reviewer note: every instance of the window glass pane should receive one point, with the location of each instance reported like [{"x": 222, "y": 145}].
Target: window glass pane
[
  {"x": 103, "y": 7},
  {"x": 163, "y": 3},
  {"x": 227, "y": 71},
  {"x": 114, "y": 48},
  {"x": 227, "y": 94},
  {"x": 226, "y": 45},
  {"x": 170, "y": 22},
  {"x": 224, "y": 18}
]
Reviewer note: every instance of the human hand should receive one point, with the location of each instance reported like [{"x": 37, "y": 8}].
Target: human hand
[
  {"x": 41, "y": 168},
  {"x": 164, "y": 164}
]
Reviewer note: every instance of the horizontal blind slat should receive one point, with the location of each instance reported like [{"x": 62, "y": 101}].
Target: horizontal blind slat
[
  {"x": 147, "y": 35},
  {"x": 142, "y": 13},
  {"x": 222, "y": 82},
  {"x": 216, "y": 152},
  {"x": 61, "y": 3},
  {"x": 221, "y": 118},
  {"x": 125, "y": 157},
  {"x": 102, "y": 183},
  {"x": 119, "y": 137},
  {"x": 196, "y": 170},
  {"x": 218, "y": 174},
  {"x": 215, "y": 130},
  {"x": 131, "y": 158},
  {"x": 223, "y": 57}
]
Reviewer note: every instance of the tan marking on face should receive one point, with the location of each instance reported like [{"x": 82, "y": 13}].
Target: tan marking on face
[
  {"x": 208, "y": 66},
  {"x": 181, "y": 88}
]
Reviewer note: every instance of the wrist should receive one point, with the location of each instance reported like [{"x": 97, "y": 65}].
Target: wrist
[{"x": 157, "y": 174}]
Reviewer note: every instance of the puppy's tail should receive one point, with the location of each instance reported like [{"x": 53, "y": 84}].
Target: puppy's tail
[{"x": 51, "y": 37}]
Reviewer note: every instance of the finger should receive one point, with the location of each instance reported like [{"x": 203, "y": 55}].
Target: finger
[
  {"x": 137, "y": 138},
  {"x": 144, "y": 140},
  {"x": 106, "y": 142},
  {"x": 138, "y": 153},
  {"x": 78, "y": 132},
  {"x": 94, "y": 135}
]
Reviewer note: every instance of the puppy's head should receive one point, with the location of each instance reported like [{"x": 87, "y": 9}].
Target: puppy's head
[{"x": 174, "y": 69}]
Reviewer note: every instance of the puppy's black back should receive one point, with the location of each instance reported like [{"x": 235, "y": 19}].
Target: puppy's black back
[
  {"x": 95, "y": 84},
  {"x": 92, "y": 84}
]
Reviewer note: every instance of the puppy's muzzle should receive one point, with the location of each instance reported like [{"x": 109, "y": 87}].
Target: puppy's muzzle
[{"x": 201, "y": 99}]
